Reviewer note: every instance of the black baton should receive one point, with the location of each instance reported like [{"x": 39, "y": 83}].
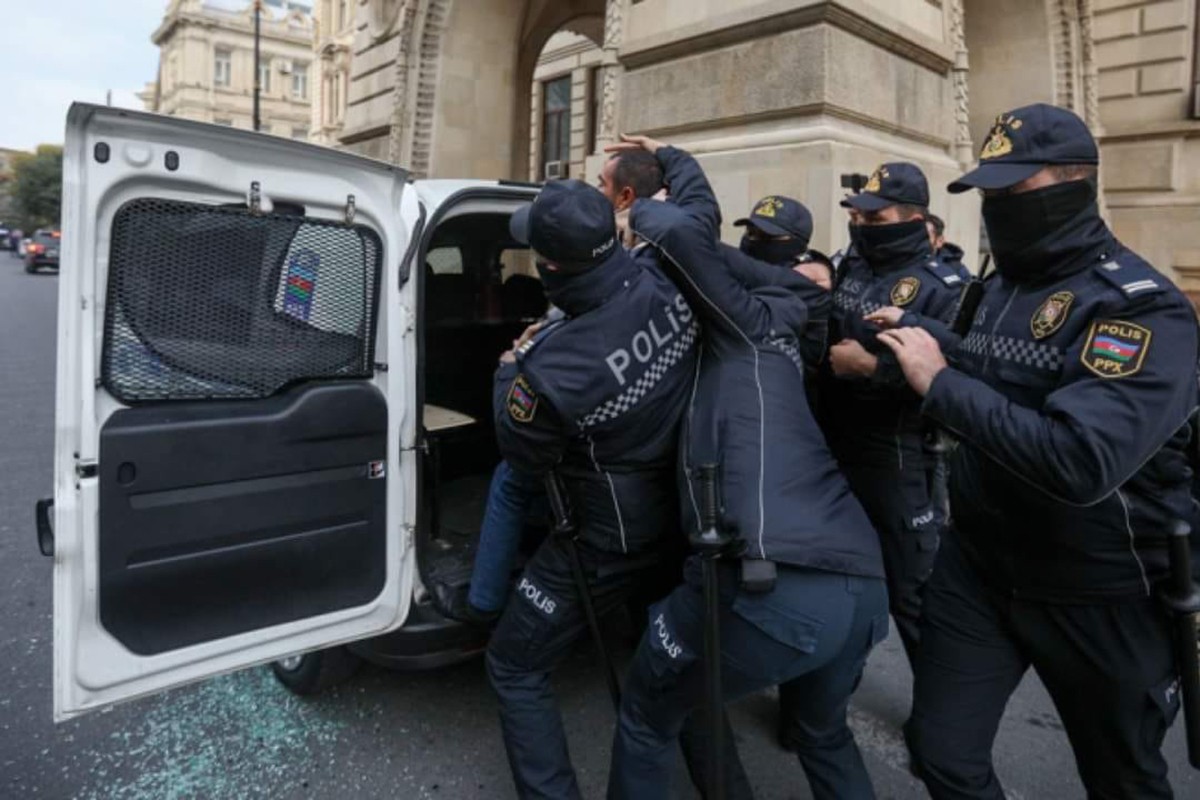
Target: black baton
[
  {"x": 1183, "y": 601},
  {"x": 564, "y": 527},
  {"x": 710, "y": 543}
]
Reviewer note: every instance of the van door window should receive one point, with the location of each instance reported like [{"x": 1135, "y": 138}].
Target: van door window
[{"x": 214, "y": 302}]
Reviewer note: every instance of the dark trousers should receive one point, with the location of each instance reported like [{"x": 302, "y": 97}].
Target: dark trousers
[
  {"x": 898, "y": 502},
  {"x": 820, "y": 625},
  {"x": 540, "y": 623},
  {"x": 1108, "y": 668}
]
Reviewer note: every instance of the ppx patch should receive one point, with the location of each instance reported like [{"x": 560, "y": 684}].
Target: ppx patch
[
  {"x": 522, "y": 400},
  {"x": 1051, "y": 314},
  {"x": 905, "y": 291},
  {"x": 1115, "y": 348}
]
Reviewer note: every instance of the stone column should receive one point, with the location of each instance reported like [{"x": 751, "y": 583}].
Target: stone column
[
  {"x": 964, "y": 150},
  {"x": 1091, "y": 72},
  {"x": 613, "y": 34}
]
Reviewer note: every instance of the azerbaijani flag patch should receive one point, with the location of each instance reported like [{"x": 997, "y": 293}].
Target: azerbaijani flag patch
[
  {"x": 522, "y": 400},
  {"x": 301, "y": 280},
  {"x": 1115, "y": 348}
]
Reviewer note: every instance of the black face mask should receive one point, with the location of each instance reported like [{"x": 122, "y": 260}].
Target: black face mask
[
  {"x": 1032, "y": 232},
  {"x": 774, "y": 251},
  {"x": 891, "y": 246}
]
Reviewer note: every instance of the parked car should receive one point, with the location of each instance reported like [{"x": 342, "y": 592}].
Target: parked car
[
  {"x": 5, "y": 237},
  {"x": 275, "y": 434},
  {"x": 41, "y": 250}
]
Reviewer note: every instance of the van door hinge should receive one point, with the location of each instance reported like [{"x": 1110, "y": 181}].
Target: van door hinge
[
  {"x": 87, "y": 469},
  {"x": 380, "y": 367},
  {"x": 255, "y": 200},
  {"x": 409, "y": 537}
]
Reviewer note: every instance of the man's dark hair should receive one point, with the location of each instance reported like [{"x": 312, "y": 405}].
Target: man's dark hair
[
  {"x": 908, "y": 211},
  {"x": 640, "y": 171},
  {"x": 1074, "y": 172},
  {"x": 939, "y": 224}
]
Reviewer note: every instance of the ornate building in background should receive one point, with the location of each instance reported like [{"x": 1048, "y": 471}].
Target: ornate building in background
[
  {"x": 787, "y": 95},
  {"x": 206, "y": 64}
]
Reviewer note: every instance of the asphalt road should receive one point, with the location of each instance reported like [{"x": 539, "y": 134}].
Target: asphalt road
[{"x": 382, "y": 735}]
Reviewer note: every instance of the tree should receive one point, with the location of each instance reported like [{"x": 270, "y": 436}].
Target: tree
[{"x": 36, "y": 187}]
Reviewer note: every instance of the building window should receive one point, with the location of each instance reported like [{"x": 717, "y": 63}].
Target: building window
[
  {"x": 300, "y": 81},
  {"x": 343, "y": 15},
  {"x": 556, "y": 121},
  {"x": 264, "y": 74},
  {"x": 222, "y": 66},
  {"x": 300, "y": 133}
]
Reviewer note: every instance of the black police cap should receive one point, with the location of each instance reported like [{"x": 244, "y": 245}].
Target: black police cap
[
  {"x": 780, "y": 216},
  {"x": 570, "y": 224},
  {"x": 1025, "y": 140},
  {"x": 897, "y": 183}
]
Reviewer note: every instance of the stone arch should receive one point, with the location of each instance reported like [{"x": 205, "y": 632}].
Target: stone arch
[{"x": 463, "y": 69}]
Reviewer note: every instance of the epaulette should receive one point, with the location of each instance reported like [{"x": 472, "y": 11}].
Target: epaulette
[
  {"x": 945, "y": 273},
  {"x": 1134, "y": 277},
  {"x": 542, "y": 335}
]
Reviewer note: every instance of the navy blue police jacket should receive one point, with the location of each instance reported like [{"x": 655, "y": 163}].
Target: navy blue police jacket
[
  {"x": 878, "y": 419},
  {"x": 1070, "y": 397},
  {"x": 780, "y": 489},
  {"x": 599, "y": 396},
  {"x": 951, "y": 255}
]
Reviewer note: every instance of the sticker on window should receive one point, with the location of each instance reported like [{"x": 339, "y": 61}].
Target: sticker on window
[{"x": 301, "y": 281}]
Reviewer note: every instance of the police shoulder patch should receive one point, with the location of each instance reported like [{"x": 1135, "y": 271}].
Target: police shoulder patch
[
  {"x": 1051, "y": 314},
  {"x": 1133, "y": 277},
  {"x": 1115, "y": 348},
  {"x": 522, "y": 400},
  {"x": 905, "y": 291},
  {"x": 945, "y": 273}
]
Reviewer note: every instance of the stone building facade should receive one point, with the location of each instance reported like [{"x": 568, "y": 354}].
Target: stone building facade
[
  {"x": 206, "y": 64},
  {"x": 332, "y": 45},
  {"x": 789, "y": 95}
]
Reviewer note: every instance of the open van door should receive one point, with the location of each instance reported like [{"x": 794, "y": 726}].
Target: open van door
[{"x": 234, "y": 455}]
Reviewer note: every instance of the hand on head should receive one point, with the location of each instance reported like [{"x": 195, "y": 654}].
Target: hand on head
[{"x": 628, "y": 143}]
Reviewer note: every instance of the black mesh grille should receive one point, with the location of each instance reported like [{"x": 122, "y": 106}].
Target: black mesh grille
[{"x": 206, "y": 302}]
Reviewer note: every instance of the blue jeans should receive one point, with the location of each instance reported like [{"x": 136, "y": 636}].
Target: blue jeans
[{"x": 510, "y": 498}]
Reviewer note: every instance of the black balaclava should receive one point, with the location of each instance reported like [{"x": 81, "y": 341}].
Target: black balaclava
[
  {"x": 887, "y": 247},
  {"x": 774, "y": 251},
  {"x": 1032, "y": 232}
]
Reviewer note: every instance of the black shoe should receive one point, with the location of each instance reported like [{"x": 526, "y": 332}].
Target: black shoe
[{"x": 452, "y": 602}]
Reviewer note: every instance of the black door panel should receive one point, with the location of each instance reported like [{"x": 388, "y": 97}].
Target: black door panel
[{"x": 218, "y": 518}]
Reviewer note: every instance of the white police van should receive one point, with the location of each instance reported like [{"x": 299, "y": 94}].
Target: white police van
[{"x": 273, "y": 427}]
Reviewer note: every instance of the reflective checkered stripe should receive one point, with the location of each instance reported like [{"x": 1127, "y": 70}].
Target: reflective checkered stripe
[
  {"x": 788, "y": 350},
  {"x": 855, "y": 304},
  {"x": 1018, "y": 351},
  {"x": 633, "y": 394}
]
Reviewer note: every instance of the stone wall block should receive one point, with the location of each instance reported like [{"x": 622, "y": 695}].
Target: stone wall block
[
  {"x": 1160, "y": 78},
  {"x": 1117, "y": 25},
  {"x": 1118, "y": 83},
  {"x": 1143, "y": 49},
  {"x": 1165, "y": 16}
]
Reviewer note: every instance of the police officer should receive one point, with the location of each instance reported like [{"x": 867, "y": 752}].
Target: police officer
[
  {"x": 873, "y": 418},
  {"x": 1070, "y": 395},
  {"x": 946, "y": 252},
  {"x": 782, "y": 495},
  {"x": 777, "y": 233},
  {"x": 597, "y": 398}
]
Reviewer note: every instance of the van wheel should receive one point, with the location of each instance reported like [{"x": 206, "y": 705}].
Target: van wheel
[{"x": 313, "y": 673}]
